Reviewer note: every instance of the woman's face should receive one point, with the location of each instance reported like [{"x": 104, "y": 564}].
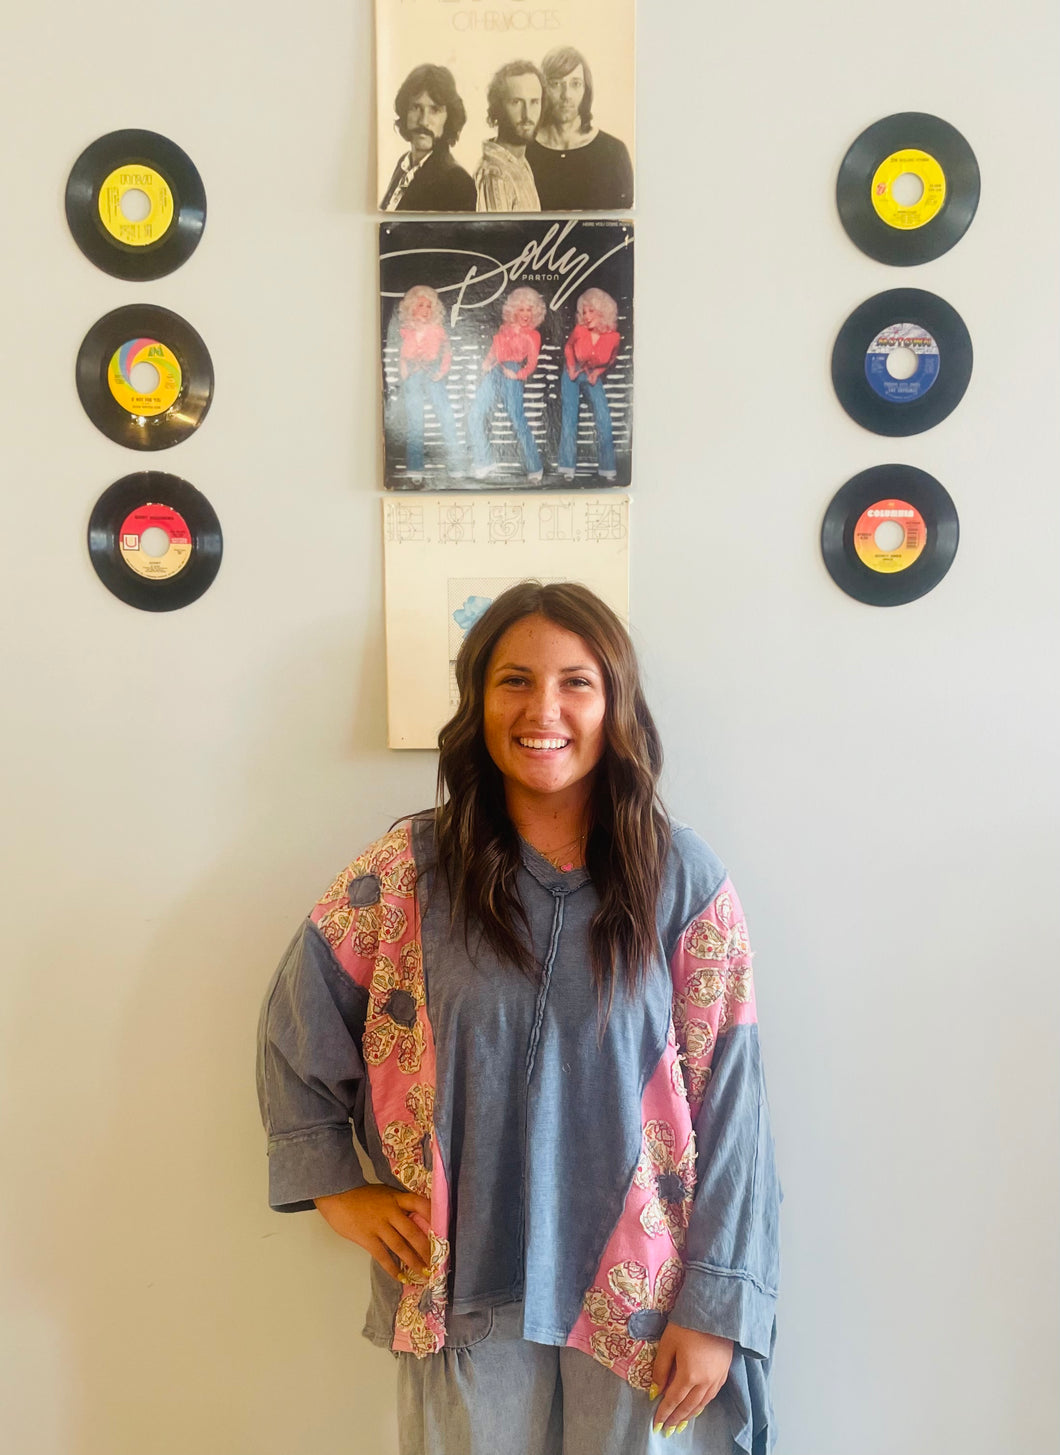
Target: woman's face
[
  {"x": 524, "y": 315},
  {"x": 421, "y": 309},
  {"x": 591, "y": 317},
  {"x": 543, "y": 712}
]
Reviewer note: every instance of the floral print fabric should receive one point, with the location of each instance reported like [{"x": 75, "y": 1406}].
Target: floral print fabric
[
  {"x": 370, "y": 918},
  {"x": 712, "y": 993}
]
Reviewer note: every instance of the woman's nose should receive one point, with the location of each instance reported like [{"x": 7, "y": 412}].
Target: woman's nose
[{"x": 545, "y": 705}]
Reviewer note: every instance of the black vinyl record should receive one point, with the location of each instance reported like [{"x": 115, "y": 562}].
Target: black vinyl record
[
  {"x": 927, "y": 336},
  {"x": 116, "y": 399},
  {"x": 888, "y": 228},
  {"x": 154, "y": 541},
  {"x": 889, "y": 535},
  {"x": 164, "y": 180}
]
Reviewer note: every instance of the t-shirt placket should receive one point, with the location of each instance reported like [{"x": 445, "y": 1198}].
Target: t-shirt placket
[{"x": 558, "y": 901}]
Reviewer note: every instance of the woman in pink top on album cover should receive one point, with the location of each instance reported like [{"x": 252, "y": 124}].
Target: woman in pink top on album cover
[
  {"x": 512, "y": 359},
  {"x": 423, "y": 364},
  {"x": 590, "y": 351}
]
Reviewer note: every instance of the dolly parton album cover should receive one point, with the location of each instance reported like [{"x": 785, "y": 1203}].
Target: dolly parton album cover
[
  {"x": 507, "y": 353},
  {"x": 505, "y": 105}
]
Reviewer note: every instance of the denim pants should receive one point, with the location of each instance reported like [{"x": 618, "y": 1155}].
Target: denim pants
[
  {"x": 494, "y": 386},
  {"x": 571, "y": 391},
  {"x": 489, "y": 1392},
  {"x": 417, "y": 390}
]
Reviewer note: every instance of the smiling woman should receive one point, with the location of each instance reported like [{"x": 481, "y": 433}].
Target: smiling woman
[
  {"x": 534, "y": 1004},
  {"x": 553, "y": 664},
  {"x": 543, "y": 723}
]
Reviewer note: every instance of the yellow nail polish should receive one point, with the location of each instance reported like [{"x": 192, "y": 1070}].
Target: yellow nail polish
[
  {"x": 682, "y": 1426},
  {"x": 669, "y": 1432},
  {"x": 655, "y": 1429},
  {"x": 653, "y": 1393}
]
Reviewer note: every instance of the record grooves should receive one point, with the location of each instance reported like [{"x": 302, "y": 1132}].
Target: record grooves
[
  {"x": 124, "y": 241},
  {"x": 886, "y": 226},
  {"x": 154, "y": 541},
  {"x": 108, "y": 381},
  {"x": 889, "y": 535},
  {"x": 923, "y": 333}
]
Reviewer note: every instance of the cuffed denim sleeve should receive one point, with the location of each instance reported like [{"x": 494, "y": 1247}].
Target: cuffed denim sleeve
[
  {"x": 732, "y": 1256},
  {"x": 311, "y": 1075},
  {"x": 732, "y": 1250}
]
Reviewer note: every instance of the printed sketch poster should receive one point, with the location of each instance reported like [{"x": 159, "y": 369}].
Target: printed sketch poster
[
  {"x": 447, "y": 558},
  {"x": 507, "y": 353},
  {"x": 505, "y": 105}
]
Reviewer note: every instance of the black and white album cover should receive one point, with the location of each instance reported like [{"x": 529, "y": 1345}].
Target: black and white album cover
[
  {"x": 507, "y": 353},
  {"x": 505, "y": 105}
]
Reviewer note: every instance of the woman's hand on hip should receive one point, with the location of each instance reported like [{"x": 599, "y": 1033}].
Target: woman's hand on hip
[
  {"x": 689, "y": 1368},
  {"x": 390, "y": 1225}
]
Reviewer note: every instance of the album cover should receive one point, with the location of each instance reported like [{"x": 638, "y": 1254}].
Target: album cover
[
  {"x": 507, "y": 353},
  {"x": 505, "y": 105}
]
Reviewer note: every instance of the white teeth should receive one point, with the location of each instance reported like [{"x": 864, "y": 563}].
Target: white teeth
[{"x": 543, "y": 742}]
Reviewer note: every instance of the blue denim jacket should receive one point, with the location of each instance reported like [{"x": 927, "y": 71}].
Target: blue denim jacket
[{"x": 611, "y": 1177}]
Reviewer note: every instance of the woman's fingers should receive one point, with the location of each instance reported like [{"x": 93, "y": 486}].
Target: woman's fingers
[
  {"x": 410, "y": 1237},
  {"x": 688, "y": 1408},
  {"x": 382, "y": 1255},
  {"x": 676, "y": 1404},
  {"x": 403, "y": 1250},
  {"x": 402, "y": 1254},
  {"x": 414, "y": 1202},
  {"x": 413, "y": 1214}
]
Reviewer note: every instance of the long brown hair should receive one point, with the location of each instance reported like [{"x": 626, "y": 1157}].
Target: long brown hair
[{"x": 629, "y": 836}]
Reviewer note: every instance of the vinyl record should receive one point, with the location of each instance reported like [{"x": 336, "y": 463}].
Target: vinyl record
[
  {"x": 135, "y": 204},
  {"x": 897, "y": 230},
  {"x": 154, "y": 541},
  {"x": 889, "y": 535},
  {"x": 902, "y": 362},
  {"x": 149, "y": 413}
]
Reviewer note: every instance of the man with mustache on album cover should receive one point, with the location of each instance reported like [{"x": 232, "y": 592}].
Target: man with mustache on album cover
[{"x": 430, "y": 117}]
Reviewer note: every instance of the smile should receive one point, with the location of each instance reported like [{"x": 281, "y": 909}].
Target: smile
[{"x": 539, "y": 744}]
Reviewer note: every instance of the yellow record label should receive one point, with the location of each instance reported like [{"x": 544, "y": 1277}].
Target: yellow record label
[
  {"x": 166, "y": 366},
  {"x": 906, "y": 528},
  {"x": 135, "y": 179},
  {"x": 931, "y": 176},
  {"x": 155, "y": 517}
]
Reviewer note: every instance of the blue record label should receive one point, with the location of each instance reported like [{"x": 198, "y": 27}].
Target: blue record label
[{"x": 886, "y": 343}]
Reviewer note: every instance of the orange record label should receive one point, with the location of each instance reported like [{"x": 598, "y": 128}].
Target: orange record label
[
  {"x": 890, "y": 535},
  {"x": 144, "y": 549}
]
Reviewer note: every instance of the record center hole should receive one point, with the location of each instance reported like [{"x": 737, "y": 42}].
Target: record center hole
[
  {"x": 889, "y": 535},
  {"x": 902, "y": 362},
  {"x": 135, "y": 205},
  {"x": 155, "y": 541},
  {"x": 144, "y": 377},
  {"x": 907, "y": 189}
]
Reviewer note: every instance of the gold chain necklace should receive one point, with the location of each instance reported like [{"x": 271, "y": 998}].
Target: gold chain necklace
[{"x": 556, "y": 855}]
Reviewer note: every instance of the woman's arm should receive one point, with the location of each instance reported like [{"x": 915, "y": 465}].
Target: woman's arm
[
  {"x": 310, "y": 1073},
  {"x": 311, "y": 1076},
  {"x": 573, "y": 367},
  {"x": 731, "y": 1252},
  {"x": 533, "y": 353},
  {"x": 445, "y": 352},
  {"x": 607, "y": 346}
]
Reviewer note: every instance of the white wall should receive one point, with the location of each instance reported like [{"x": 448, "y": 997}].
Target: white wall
[{"x": 881, "y": 782}]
